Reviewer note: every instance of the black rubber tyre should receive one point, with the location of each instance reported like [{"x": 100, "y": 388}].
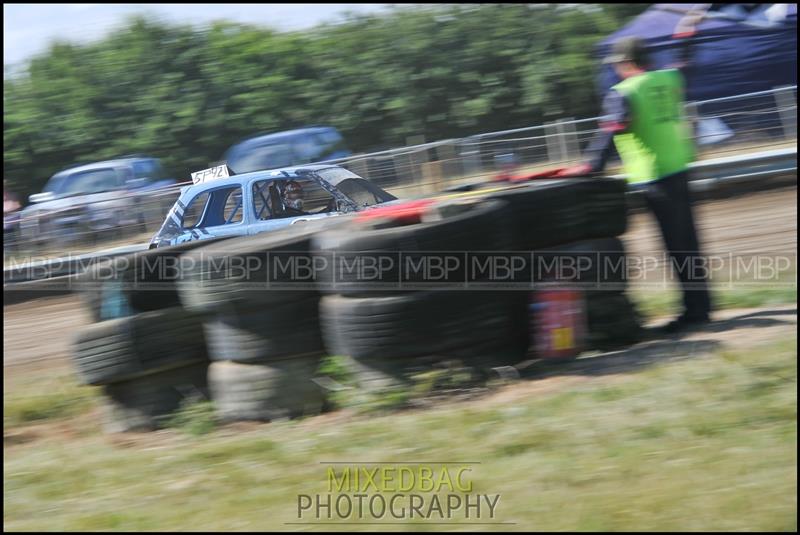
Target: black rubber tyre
[
  {"x": 553, "y": 212},
  {"x": 265, "y": 333},
  {"x": 480, "y": 326},
  {"x": 136, "y": 346},
  {"x": 266, "y": 391},
  {"x": 606, "y": 207},
  {"x": 448, "y": 230},
  {"x": 251, "y": 271},
  {"x": 612, "y": 320},
  {"x": 146, "y": 403},
  {"x": 130, "y": 284},
  {"x": 591, "y": 264},
  {"x": 545, "y": 213}
]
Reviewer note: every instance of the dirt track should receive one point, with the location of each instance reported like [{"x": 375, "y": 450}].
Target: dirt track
[
  {"x": 765, "y": 221},
  {"x": 39, "y": 333}
]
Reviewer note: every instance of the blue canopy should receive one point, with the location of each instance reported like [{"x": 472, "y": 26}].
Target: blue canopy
[{"x": 738, "y": 48}]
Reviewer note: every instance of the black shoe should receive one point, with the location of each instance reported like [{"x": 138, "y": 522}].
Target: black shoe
[{"x": 684, "y": 322}]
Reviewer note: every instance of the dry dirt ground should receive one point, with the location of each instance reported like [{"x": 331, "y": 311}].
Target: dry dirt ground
[{"x": 38, "y": 334}]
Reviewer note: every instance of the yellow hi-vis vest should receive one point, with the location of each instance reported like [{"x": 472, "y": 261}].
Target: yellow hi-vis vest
[{"x": 658, "y": 139}]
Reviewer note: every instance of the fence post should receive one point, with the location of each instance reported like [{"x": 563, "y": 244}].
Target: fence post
[
  {"x": 470, "y": 156},
  {"x": 359, "y": 166},
  {"x": 690, "y": 109},
  {"x": 571, "y": 144},
  {"x": 553, "y": 149},
  {"x": 446, "y": 154},
  {"x": 562, "y": 141},
  {"x": 415, "y": 159},
  {"x": 786, "y": 102}
]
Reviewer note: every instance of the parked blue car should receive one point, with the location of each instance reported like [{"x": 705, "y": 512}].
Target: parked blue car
[
  {"x": 264, "y": 201},
  {"x": 286, "y": 149}
]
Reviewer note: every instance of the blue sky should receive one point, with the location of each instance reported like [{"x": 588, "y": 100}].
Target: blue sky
[{"x": 28, "y": 28}]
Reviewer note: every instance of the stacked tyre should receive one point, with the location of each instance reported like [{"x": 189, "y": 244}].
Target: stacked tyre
[
  {"x": 262, "y": 324},
  {"x": 390, "y": 326},
  {"x": 146, "y": 351},
  {"x": 147, "y": 365},
  {"x": 131, "y": 284},
  {"x": 548, "y": 213},
  {"x": 576, "y": 223}
]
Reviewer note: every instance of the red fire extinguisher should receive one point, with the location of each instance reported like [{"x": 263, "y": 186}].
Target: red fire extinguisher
[{"x": 558, "y": 321}]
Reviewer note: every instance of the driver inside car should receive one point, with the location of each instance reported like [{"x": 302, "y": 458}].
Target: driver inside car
[{"x": 293, "y": 197}]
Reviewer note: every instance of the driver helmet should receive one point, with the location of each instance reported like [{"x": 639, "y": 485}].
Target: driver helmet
[{"x": 293, "y": 195}]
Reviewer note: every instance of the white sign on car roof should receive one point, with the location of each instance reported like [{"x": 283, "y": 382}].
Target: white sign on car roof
[{"x": 212, "y": 173}]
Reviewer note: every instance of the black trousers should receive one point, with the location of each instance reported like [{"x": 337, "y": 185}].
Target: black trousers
[{"x": 670, "y": 201}]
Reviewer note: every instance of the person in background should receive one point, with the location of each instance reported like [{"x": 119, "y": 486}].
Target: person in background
[
  {"x": 644, "y": 119},
  {"x": 10, "y": 201},
  {"x": 11, "y": 206}
]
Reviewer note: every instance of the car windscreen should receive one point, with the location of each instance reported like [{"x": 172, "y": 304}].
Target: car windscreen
[
  {"x": 361, "y": 191},
  {"x": 268, "y": 156},
  {"x": 94, "y": 181},
  {"x": 55, "y": 183}
]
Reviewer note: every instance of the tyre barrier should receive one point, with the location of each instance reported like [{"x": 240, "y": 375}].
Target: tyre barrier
[
  {"x": 279, "y": 366},
  {"x": 600, "y": 271},
  {"x": 136, "y": 346},
  {"x": 613, "y": 320},
  {"x": 266, "y": 332},
  {"x": 255, "y": 334},
  {"x": 548, "y": 213},
  {"x": 251, "y": 271},
  {"x": 597, "y": 264},
  {"x": 262, "y": 326},
  {"x": 266, "y": 391},
  {"x": 147, "y": 365},
  {"x": 416, "y": 324},
  {"x": 606, "y": 207},
  {"x": 384, "y": 332},
  {"x": 443, "y": 227},
  {"x": 140, "y": 282},
  {"x": 147, "y": 403}
]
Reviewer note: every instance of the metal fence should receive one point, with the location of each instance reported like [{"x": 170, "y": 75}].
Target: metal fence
[
  {"x": 745, "y": 123},
  {"x": 754, "y": 121}
]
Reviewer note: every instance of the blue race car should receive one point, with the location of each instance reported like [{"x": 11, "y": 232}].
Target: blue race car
[{"x": 220, "y": 205}]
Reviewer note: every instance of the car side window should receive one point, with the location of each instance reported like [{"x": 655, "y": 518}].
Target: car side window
[
  {"x": 328, "y": 141},
  {"x": 262, "y": 207},
  {"x": 233, "y": 209},
  {"x": 330, "y": 137},
  {"x": 224, "y": 207},
  {"x": 306, "y": 148},
  {"x": 194, "y": 211},
  {"x": 94, "y": 181},
  {"x": 146, "y": 169},
  {"x": 299, "y": 196},
  {"x": 213, "y": 208}
]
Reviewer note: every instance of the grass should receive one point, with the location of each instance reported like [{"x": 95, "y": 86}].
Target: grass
[
  {"x": 701, "y": 443},
  {"x": 421, "y": 387},
  {"x": 33, "y": 399},
  {"x": 194, "y": 418},
  {"x": 658, "y": 303}
]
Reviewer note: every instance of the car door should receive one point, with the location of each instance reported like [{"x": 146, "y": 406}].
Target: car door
[
  {"x": 215, "y": 212},
  {"x": 264, "y": 207}
]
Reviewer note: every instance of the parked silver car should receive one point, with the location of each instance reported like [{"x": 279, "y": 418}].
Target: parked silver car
[{"x": 84, "y": 200}]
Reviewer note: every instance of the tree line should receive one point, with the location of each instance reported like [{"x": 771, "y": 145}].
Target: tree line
[{"x": 184, "y": 93}]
